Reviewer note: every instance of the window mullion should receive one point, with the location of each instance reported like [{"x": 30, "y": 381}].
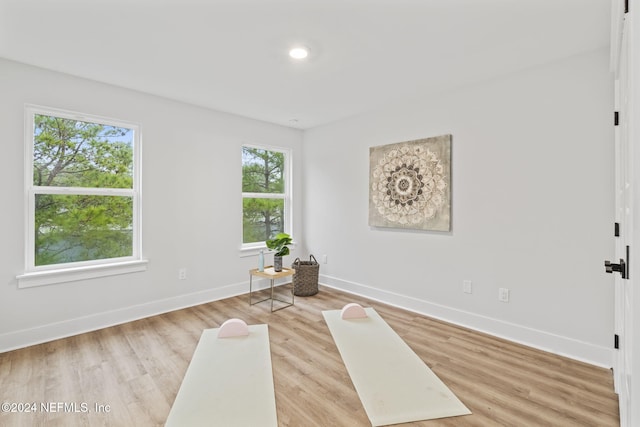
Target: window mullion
[
  {"x": 84, "y": 191},
  {"x": 264, "y": 195}
]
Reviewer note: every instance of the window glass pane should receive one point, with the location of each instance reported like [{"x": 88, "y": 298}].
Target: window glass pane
[
  {"x": 72, "y": 153},
  {"x": 262, "y": 219},
  {"x": 262, "y": 171},
  {"x": 71, "y": 228}
]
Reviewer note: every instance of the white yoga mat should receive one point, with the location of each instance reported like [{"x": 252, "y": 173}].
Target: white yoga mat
[
  {"x": 229, "y": 382},
  {"x": 394, "y": 384}
]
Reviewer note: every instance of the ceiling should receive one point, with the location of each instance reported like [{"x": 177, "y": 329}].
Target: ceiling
[{"x": 231, "y": 55}]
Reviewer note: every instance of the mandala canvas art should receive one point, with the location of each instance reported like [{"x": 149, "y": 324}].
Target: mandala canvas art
[{"x": 410, "y": 184}]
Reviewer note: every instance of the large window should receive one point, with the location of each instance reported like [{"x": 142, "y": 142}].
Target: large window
[
  {"x": 265, "y": 194},
  {"x": 83, "y": 190}
]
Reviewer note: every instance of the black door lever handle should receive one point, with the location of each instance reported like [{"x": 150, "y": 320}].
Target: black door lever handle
[{"x": 620, "y": 268}]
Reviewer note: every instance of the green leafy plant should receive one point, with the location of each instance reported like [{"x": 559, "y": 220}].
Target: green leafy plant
[
  {"x": 81, "y": 227},
  {"x": 279, "y": 244}
]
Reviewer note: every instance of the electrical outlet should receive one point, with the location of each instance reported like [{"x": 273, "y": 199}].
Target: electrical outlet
[
  {"x": 324, "y": 258},
  {"x": 466, "y": 287},
  {"x": 503, "y": 294},
  {"x": 182, "y": 274}
]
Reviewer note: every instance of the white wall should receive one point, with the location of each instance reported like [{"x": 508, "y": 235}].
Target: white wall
[
  {"x": 191, "y": 207},
  {"x": 532, "y": 207}
]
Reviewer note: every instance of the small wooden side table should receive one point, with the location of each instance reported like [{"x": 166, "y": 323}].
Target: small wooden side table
[{"x": 272, "y": 275}]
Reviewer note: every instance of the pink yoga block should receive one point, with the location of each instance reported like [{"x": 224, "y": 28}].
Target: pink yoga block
[
  {"x": 233, "y": 328},
  {"x": 353, "y": 311}
]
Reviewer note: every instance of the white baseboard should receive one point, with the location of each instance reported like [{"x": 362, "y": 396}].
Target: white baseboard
[
  {"x": 564, "y": 346},
  {"x": 49, "y": 332},
  {"x": 556, "y": 344}
]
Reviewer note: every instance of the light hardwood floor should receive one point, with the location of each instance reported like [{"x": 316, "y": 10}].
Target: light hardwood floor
[{"x": 137, "y": 368}]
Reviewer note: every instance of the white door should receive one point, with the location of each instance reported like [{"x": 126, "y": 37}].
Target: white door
[
  {"x": 623, "y": 61},
  {"x": 632, "y": 296}
]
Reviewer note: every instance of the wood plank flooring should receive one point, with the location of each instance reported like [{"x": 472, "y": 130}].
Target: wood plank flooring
[{"x": 129, "y": 375}]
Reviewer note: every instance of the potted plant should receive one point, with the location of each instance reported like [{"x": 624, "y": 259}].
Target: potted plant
[{"x": 279, "y": 244}]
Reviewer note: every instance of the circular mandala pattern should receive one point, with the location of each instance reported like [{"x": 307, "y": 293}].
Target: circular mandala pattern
[{"x": 408, "y": 185}]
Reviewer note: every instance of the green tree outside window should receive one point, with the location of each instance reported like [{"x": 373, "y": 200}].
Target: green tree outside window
[
  {"x": 82, "y": 224},
  {"x": 263, "y": 189}
]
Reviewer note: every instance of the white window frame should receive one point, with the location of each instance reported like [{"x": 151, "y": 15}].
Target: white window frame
[
  {"x": 249, "y": 249},
  {"x": 60, "y": 273}
]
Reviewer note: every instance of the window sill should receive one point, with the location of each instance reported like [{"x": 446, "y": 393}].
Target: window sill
[
  {"x": 248, "y": 251},
  {"x": 51, "y": 277}
]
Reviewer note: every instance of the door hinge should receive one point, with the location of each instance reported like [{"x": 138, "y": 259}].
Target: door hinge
[
  {"x": 616, "y": 229},
  {"x": 616, "y": 341},
  {"x": 616, "y": 118}
]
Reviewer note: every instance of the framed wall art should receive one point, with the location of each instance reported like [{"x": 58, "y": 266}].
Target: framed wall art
[{"x": 410, "y": 184}]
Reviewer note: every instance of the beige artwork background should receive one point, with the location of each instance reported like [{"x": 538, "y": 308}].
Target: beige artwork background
[{"x": 410, "y": 184}]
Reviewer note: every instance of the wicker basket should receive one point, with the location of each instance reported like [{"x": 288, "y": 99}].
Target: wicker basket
[{"x": 305, "y": 278}]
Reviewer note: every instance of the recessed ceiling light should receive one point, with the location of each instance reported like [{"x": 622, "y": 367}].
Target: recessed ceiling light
[{"x": 299, "y": 52}]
